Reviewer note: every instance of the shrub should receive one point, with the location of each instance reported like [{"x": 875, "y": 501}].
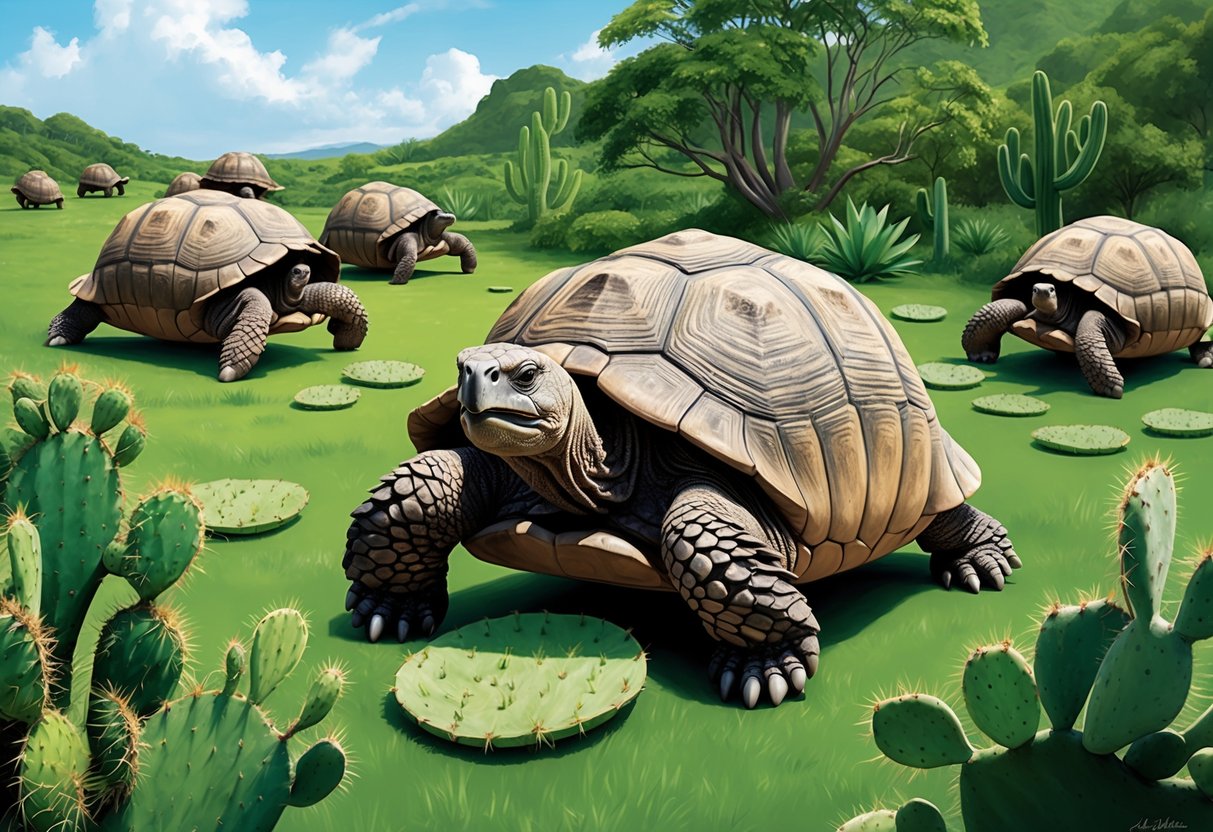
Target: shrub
[
  {"x": 799, "y": 240},
  {"x": 979, "y": 236},
  {"x": 551, "y": 231},
  {"x": 603, "y": 231},
  {"x": 867, "y": 247},
  {"x": 464, "y": 204}
]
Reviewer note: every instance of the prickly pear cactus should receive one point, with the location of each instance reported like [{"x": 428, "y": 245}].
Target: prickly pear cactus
[
  {"x": 1131, "y": 670},
  {"x": 527, "y": 679}
]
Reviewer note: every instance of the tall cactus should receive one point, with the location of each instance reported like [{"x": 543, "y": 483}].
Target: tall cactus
[
  {"x": 530, "y": 180},
  {"x": 936, "y": 220},
  {"x": 1064, "y": 157}
]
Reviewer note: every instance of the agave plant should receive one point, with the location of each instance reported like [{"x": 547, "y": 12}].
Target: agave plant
[
  {"x": 804, "y": 242},
  {"x": 463, "y": 204},
  {"x": 979, "y": 236},
  {"x": 867, "y": 247}
]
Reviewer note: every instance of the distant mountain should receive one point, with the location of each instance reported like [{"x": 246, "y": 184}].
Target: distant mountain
[
  {"x": 63, "y": 146},
  {"x": 328, "y": 151},
  {"x": 493, "y": 127}
]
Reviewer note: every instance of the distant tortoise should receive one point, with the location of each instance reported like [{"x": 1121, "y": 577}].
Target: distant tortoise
[
  {"x": 183, "y": 183},
  {"x": 693, "y": 413},
  {"x": 385, "y": 226},
  {"x": 241, "y": 174},
  {"x": 101, "y": 177},
  {"x": 207, "y": 266},
  {"x": 1101, "y": 288},
  {"x": 36, "y": 188}
]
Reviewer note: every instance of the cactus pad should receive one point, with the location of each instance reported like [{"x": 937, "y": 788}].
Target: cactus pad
[
  {"x": 882, "y": 820},
  {"x": 1157, "y": 756},
  {"x": 1082, "y": 440},
  {"x": 141, "y": 655},
  {"x": 1011, "y": 404},
  {"x": 383, "y": 373},
  {"x": 320, "y": 770},
  {"x": 919, "y": 312},
  {"x": 920, "y": 815},
  {"x": 920, "y": 731},
  {"x": 1069, "y": 649},
  {"x": 24, "y": 663},
  {"x": 165, "y": 536},
  {"x": 1175, "y": 421},
  {"x": 1195, "y": 618},
  {"x": 1001, "y": 695},
  {"x": 525, "y": 679},
  {"x": 54, "y": 764},
  {"x": 249, "y": 506},
  {"x": 278, "y": 645},
  {"x": 326, "y": 397},
  {"x": 940, "y": 376},
  {"x": 501, "y": 290}
]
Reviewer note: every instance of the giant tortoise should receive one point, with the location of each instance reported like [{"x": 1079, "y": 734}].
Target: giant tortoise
[
  {"x": 386, "y": 226},
  {"x": 36, "y": 188},
  {"x": 239, "y": 173},
  {"x": 1101, "y": 288},
  {"x": 695, "y": 414},
  {"x": 101, "y": 177},
  {"x": 207, "y": 266}
]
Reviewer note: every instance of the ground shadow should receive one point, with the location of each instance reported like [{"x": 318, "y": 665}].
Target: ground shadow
[
  {"x": 358, "y": 274},
  {"x": 200, "y": 359},
  {"x": 1049, "y": 372}
]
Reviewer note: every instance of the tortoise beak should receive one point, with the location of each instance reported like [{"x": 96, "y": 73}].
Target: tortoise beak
[{"x": 484, "y": 386}]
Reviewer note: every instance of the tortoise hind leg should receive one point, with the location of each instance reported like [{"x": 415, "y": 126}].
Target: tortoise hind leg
[
  {"x": 732, "y": 574},
  {"x": 984, "y": 330},
  {"x": 970, "y": 548},
  {"x": 1098, "y": 337},
  {"x": 72, "y": 324},
  {"x": 242, "y": 323},
  {"x": 1202, "y": 353}
]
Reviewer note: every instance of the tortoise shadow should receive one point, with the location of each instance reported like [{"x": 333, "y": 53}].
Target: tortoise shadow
[
  {"x": 359, "y": 274},
  {"x": 198, "y": 359},
  {"x": 1047, "y": 372}
]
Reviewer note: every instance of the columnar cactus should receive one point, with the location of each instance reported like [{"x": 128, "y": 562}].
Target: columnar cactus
[
  {"x": 1064, "y": 157},
  {"x": 530, "y": 179},
  {"x": 65, "y": 532},
  {"x": 937, "y": 220},
  {"x": 1132, "y": 671}
]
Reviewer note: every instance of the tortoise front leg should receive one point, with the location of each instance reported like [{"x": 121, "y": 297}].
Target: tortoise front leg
[
  {"x": 1098, "y": 337},
  {"x": 404, "y": 252},
  {"x": 347, "y": 316},
  {"x": 72, "y": 324},
  {"x": 1202, "y": 354},
  {"x": 397, "y": 547},
  {"x": 462, "y": 248},
  {"x": 969, "y": 547},
  {"x": 983, "y": 333},
  {"x": 242, "y": 323},
  {"x": 121, "y": 189},
  {"x": 732, "y": 574},
  {"x": 81, "y": 191}
]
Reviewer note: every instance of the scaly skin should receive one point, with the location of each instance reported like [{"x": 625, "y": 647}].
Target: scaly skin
[
  {"x": 347, "y": 317},
  {"x": 243, "y": 325},
  {"x": 74, "y": 323},
  {"x": 404, "y": 252},
  {"x": 1098, "y": 337},
  {"x": 984, "y": 330},
  {"x": 970, "y": 548},
  {"x": 462, "y": 248}
]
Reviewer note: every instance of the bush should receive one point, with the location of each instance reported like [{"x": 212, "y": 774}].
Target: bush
[
  {"x": 979, "y": 236},
  {"x": 551, "y": 230},
  {"x": 803, "y": 241},
  {"x": 867, "y": 247},
  {"x": 601, "y": 231}
]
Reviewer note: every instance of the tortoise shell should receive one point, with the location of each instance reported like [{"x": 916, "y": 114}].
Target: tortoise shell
[
  {"x": 776, "y": 368},
  {"x": 1143, "y": 276},
  {"x": 38, "y": 187},
  {"x": 184, "y": 183},
  {"x": 232, "y": 170},
  {"x": 101, "y": 175},
  {"x": 166, "y": 258},
  {"x": 363, "y": 225}
]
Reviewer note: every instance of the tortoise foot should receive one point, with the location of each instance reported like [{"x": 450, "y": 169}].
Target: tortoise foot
[
  {"x": 984, "y": 356},
  {"x": 775, "y": 670},
  {"x": 969, "y": 548},
  {"x": 417, "y": 613},
  {"x": 232, "y": 374},
  {"x": 57, "y": 341},
  {"x": 1202, "y": 354}
]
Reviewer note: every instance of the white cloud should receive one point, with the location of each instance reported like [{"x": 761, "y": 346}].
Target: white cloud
[
  {"x": 112, "y": 16},
  {"x": 394, "y": 16},
  {"x": 452, "y": 84},
  {"x": 47, "y": 58},
  {"x": 589, "y": 60},
  {"x": 347, "y": 54}
]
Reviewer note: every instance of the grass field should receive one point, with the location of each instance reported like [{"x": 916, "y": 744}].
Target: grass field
[{"x": 680, "y": 758}]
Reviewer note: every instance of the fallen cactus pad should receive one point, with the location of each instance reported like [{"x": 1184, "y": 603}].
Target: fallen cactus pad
[
  {"x": 1083, "y": 440},
  {"x": 1175, "y": 421},
  {"x": 501, "y": 290},
  {"x": 950, "y": 376},
  {"x": 327, "y": 397},
  {"x": 383, "y": 373},
  {"x": 249, "y": 506},
  {"x": 525, "y": 679},
  {"x": 920, "y": 312},
  {"x": 1011, "y": 404}
]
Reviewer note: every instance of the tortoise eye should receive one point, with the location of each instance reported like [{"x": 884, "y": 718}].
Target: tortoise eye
[{"x": 527, "y": 377}]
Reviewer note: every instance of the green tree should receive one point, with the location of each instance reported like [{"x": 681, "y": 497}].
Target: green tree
[{"x": 717, "y": 98}]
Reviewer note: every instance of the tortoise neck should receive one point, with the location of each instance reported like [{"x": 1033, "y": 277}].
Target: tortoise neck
[{"x": 594, "y": 466}]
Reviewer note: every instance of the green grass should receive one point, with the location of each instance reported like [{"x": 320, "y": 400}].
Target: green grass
[{"x": 679, "y": 759}]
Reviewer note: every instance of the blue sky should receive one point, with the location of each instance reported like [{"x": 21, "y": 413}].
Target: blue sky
[{"x": 199, "y": 77}]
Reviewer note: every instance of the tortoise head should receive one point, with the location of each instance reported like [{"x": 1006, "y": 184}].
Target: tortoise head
[
  {"x": 1044, "y": 299},
  {"x": 290, "y": 292},
  {"x": 247, "y": 193},
  {"x": 434, "y": 224},
  {"x": 514, "y": 401}
]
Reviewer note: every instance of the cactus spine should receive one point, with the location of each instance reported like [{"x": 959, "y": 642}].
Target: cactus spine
[
  {"x": 531, "y": 178},
  {"x": 1064, "y": 157},
  {"x": 936, "y": 220}
]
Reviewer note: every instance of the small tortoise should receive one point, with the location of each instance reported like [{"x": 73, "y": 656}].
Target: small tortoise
[
  {"x": 385, "y": 226},
  {"x": 1101, "y": 288},
  {"x": 241, "y": 174},
  {"x": 210, "y": 267},
  {"x": 694, "y": 413},
  {"x": 36, "y": 188},
  {"x": 183, "y": 183},
  {"x": 101, "y": 177}
]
